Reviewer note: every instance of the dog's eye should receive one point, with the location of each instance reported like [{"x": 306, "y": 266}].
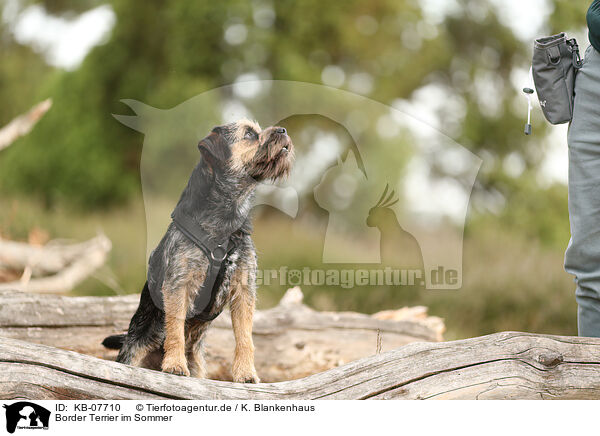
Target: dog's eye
[{"x": 250, "y": 134}]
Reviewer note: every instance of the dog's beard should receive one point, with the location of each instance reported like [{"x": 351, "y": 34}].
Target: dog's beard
[{"x": 273, "y": 160}]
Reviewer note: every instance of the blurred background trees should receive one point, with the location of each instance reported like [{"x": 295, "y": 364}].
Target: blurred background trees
[{"x": 458, "y": 65}]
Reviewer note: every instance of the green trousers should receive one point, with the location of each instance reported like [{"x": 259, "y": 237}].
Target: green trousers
[{"x": 582, "y": 258}]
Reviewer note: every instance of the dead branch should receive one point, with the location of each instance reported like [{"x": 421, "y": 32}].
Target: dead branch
[
  {"x": 23, "y": 124},
  {"x": 53, "y": 267},
  {"x": 500, "y": 366},
  {"x": 291, "y": 339}
]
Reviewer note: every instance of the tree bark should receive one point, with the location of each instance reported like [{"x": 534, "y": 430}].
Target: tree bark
[
  {"x": 291, "y": 339},
  {"x": 500, "y": 366}
]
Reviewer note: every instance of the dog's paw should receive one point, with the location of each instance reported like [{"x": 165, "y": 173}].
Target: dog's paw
[
  {"x": 247, "y": 376},
  {"x": 177, "y": 369}
]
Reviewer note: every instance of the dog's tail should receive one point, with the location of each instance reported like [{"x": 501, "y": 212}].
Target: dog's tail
[{"x": 114, "y": 342}]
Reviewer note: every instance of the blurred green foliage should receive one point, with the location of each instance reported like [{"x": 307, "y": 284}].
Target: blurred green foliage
[{"x": 168, "y": 51}]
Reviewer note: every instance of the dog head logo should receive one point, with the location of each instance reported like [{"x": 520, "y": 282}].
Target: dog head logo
[{"x": 26, "y": 415}]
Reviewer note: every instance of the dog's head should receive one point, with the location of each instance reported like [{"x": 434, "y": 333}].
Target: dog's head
[{"x": 244, "y": 149}]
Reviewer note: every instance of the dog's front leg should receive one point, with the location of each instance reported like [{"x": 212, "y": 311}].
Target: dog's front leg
[
  {"x": 243, "y": 298},
  {"x": 174, "y": 360}
]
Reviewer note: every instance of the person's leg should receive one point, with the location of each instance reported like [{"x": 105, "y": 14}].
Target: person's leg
[{"x": 582, "y": 258}]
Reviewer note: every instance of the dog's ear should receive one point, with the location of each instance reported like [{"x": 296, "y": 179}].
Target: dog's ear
[{"x": 215, "y": 150}]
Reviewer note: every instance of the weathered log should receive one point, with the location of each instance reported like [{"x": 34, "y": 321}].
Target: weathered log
[
  {"x": 500, "y": 366},
  {"x": 23, "y": 124},
  {"x": 291, "y": 339},
  {"x": 54, "y": 267}
]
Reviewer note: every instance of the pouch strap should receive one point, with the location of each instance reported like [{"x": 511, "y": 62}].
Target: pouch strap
[
  {"x": 577, "y": 62},
  {"x": 553, "y": 54}
]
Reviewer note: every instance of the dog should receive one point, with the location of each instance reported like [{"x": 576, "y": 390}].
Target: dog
[{"x": 166, "y": 330}]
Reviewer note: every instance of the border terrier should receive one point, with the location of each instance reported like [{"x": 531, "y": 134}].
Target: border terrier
[{"x": 206, "y": 258}]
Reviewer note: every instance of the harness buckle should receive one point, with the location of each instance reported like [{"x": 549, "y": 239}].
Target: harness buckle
[{"x": 218, "y": 254}]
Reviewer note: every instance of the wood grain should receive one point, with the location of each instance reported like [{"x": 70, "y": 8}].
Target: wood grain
[
  {"x": 507, "y": 365},
  {"x": 291, "y": 339}
]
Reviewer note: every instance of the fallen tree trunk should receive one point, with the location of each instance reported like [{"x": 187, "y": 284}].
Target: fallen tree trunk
[
  {"x": 53, "y": 267},
  {"x": 291, "y": 339},
  {"x": 499, "y": 366}
]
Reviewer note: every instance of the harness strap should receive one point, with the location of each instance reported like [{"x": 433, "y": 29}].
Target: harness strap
[{"x": 216, "y": 253}]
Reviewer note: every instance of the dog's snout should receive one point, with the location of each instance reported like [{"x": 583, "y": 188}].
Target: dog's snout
[{"x": 280, "y": 130}]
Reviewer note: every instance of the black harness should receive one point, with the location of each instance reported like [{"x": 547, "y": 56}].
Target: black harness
[{"x": 217, "y": 254}]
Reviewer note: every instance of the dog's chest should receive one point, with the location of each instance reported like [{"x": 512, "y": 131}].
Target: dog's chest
[{"x": 222, "y": 289}]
